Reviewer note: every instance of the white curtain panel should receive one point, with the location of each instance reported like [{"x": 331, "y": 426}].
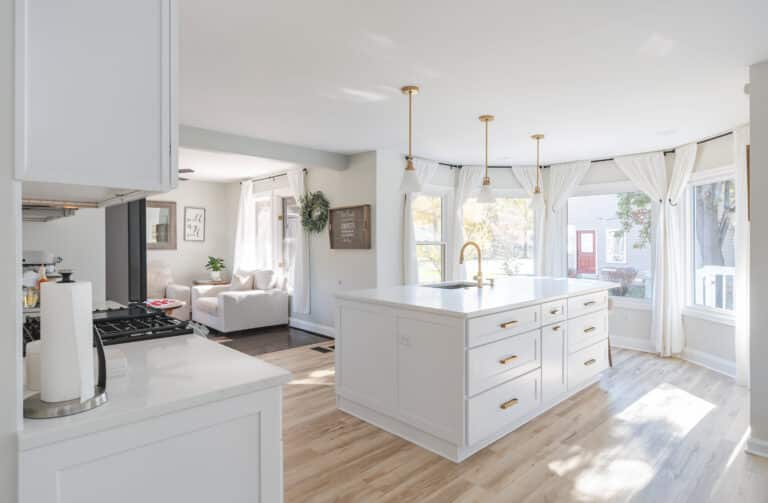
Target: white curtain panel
[
  {"x": 562, "y": 180},
  {"x": 265, "y": 232},
  {"x": 468, "y": 181},
  {"x": 526, "y": 177},
  {"x": 299, "y": 272},
  {"x": 245, "y": 232},
  {"x": 741, "y": 288},
  {"x": 425, "y": 170},
  {"x": 674, "y": 274}
]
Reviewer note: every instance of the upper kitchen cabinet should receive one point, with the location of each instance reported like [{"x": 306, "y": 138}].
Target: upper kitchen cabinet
[{"x": 96, "y": 93}]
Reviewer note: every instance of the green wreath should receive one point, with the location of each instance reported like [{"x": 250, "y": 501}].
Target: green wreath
[{"x": 314, "y": 211}]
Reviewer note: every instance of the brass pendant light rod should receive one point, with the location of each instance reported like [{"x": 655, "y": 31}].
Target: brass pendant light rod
[
  {"x": 486, "y": 119},
  {"x": 410, "y": 91},
  {"x": 538, "y": 137}
]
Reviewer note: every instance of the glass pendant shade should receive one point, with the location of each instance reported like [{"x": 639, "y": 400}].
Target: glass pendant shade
[
  {"x": 485, "y": 196},
  {"x": 537, "y": 201},
  {"x": 410, "y": 182}
]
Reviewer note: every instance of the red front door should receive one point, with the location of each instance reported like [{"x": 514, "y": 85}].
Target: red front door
[{"x": 585, "y": 252}]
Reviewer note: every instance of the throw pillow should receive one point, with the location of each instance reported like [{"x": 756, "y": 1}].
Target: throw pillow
[
  {"x": 264, "y": 280},
  {"x": 242, "y": 282}
]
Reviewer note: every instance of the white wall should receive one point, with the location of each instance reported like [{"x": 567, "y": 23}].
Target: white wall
[
  {"x": 187, "y": 261},
  {"x": 758, "y": 110},
  {"x": 389, "y": 218},
  {"x": 10, "y": 270},
  {"x": 335, "y": 270},
  {"x": 79, "y": 240}
]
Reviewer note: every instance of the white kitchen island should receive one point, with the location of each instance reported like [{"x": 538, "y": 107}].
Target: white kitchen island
[
  {"x": 190, "y": 421},
  {"x": 453, "y": 370}
]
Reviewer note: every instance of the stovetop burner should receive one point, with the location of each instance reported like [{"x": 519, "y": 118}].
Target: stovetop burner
[{"x": 136, "y": 322}]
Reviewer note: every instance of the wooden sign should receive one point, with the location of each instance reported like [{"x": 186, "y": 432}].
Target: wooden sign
[
  {"x": 194, "y": 224},
  {"x": 350, "y": 227}
]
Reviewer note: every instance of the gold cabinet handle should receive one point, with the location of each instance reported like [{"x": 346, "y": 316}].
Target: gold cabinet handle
[
  {"x": 590, "y": 303},
  {"x": 554, "y": 311},
  {"x": 590, "y": 362},
  {"x": 508, "y": 404},
  {"x": 556, "y": 328},
  {"x": 508, "y": 359},
  {"x": 589, "y": 329},
  {"x": 508, "y": 324}
]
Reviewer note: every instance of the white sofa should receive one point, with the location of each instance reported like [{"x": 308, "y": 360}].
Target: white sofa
[
  {"x": 160, "y": 285},
  {"x": 241, "y": 305}
]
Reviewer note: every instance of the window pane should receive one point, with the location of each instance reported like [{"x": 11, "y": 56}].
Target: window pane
[
  {"x": 427, "y": 217},
  {"x": 609, "y": 238},
  {"x": 504, "y": 231},
  {"x": 430, "y": 261},
  {"x": 291, "y": 228},
  {"x": 713, "y": 230}
]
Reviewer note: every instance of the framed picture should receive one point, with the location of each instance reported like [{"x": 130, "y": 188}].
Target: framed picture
[
  {"x": 194, "y": 224},
  {"x": 350, "y": 227},
  {"x": 161, "y": 225}
]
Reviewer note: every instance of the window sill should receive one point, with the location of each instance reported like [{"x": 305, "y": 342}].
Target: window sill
[
  {"x": 631, "y": 303},
  {"x": 708, "y": 314}
]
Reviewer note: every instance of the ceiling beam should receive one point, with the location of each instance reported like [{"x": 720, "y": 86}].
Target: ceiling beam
[{"x": 207, "y": 139}]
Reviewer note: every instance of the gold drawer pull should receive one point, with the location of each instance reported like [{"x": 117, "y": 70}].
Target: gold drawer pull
[
  {"x": 508, "y": 404},
  {"x": 590, "y": 303},
  {"x": 589, "y": 329},
  {"x": 590, "y": 362},
  {"x": 554, "y": 311},
  {"x": 508, "y": 359},
  {"x": 508, "y": 324},
  {"x": 556, "y": 328}
]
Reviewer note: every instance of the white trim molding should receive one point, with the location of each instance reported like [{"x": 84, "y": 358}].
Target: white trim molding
[
  {"x": 710, "y": 361},
  {"x": 644, "y": 345},
  {"x": 630, "y": 303},
  {"x": 719, "y": 316},
  {"x": 757, "y": 447},
  {"x": 310, "y": 326}
]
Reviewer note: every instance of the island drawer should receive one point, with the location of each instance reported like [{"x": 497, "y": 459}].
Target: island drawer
[
  {"x": 587, "y": 363},
  {"x": 555, "y": 311},
  {"x": 493, "y": 327},
  {"x": 586, "y": 330},
  {"x": 584, "y": 304},
  {"x": 500, "y": 361},
  {"x": 503, "y": 405}
]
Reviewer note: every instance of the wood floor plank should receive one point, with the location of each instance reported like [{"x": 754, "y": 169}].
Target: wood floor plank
[{"x": 653, "y": 430}]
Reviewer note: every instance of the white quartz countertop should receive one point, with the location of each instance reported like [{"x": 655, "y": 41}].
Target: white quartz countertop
[
  {"x": 164, "y": 375},
  {"x": 507, "y": 293}
]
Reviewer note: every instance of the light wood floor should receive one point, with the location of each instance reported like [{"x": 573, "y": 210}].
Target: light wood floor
[{"x": 654, "y": 430}]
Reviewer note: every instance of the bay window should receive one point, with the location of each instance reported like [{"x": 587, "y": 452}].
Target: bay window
[
  {"x": 429, "y": 233},
  {"x": 713, "y": 225},
  {"x": 609, "y": 238},
  {"x": 504, "y": 231}
]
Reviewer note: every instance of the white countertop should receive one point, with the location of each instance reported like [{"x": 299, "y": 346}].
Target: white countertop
[
  {"x": 507, "y": 293},
  {"x": 164, "y": 375}
]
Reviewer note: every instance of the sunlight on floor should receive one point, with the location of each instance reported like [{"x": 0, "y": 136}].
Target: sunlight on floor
[
  {"x": 318, "y": 378},
  {"x": 645, "y": 429}
]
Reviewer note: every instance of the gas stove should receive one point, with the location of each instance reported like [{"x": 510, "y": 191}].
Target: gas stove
[{"x": 136, "y": 322}]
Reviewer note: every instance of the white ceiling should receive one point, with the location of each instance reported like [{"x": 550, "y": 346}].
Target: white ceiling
[
  {"x": 597, "y": 77},
  {"x": 225, "y": 167}
]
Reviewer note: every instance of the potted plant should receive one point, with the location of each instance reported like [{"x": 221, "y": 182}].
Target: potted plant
[{"x": 215, "y": 265}]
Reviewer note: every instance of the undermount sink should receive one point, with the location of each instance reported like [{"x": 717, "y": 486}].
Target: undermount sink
[{"x": 454, "y": 285}]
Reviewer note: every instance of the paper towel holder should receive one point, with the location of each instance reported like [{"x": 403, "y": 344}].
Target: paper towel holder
[{"x": 36, "y": 408}]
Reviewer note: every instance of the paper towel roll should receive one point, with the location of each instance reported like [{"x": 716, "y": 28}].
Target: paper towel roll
[{"x": 66, "y": 342}]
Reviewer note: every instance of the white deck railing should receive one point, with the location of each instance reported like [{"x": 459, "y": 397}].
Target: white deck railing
[{"x": 714, "y": 286}]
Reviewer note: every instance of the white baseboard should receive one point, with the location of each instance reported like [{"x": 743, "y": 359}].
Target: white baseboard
[
  {"x": 757, "y": 447},
  {"x": 313, "y": 327},
  {"x": 644, "y": 345},
  {"x": 710, "y": 361}
]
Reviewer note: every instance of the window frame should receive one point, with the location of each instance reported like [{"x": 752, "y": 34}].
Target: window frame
[
  {"x": 691, "y": 309},
  {"x": 443, "y": 243}
]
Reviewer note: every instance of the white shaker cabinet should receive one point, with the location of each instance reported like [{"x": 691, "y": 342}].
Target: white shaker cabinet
[{"x": 96, "y": 93}]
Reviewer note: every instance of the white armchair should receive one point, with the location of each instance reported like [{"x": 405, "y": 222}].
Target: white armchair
[
  {"x": 227, "y": 310},
  {"x": 160, "y": 285}
]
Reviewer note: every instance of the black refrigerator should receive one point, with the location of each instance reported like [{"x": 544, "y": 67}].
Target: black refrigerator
[{"x": 126, "y": 247}]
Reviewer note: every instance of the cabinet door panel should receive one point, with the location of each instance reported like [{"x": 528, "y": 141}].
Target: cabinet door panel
[
  {"x": 553, "y": 361},
  {"x": 95, "y": 93}
]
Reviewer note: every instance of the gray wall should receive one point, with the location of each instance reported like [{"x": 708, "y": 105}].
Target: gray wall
[{"x": 10, "y": 269}]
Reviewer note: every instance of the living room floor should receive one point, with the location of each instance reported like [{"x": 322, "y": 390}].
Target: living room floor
[{"x": 258, "y": 341}]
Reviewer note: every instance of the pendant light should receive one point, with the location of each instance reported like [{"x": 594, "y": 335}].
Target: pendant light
[
  {"x": 537, "y": 200},
  {"x": 410, "y": 182},
  {"x": 486, "y": 193}
]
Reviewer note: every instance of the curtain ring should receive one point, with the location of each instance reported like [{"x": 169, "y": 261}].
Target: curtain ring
[{"x": 671, "y": 203}]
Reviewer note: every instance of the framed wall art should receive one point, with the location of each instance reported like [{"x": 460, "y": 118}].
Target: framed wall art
[{"x": 194, "y": 223}]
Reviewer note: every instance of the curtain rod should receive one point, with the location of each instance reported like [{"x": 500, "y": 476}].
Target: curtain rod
[
  {"x": 497, "y": 166},
  {"x": 272, "y": 177}
]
